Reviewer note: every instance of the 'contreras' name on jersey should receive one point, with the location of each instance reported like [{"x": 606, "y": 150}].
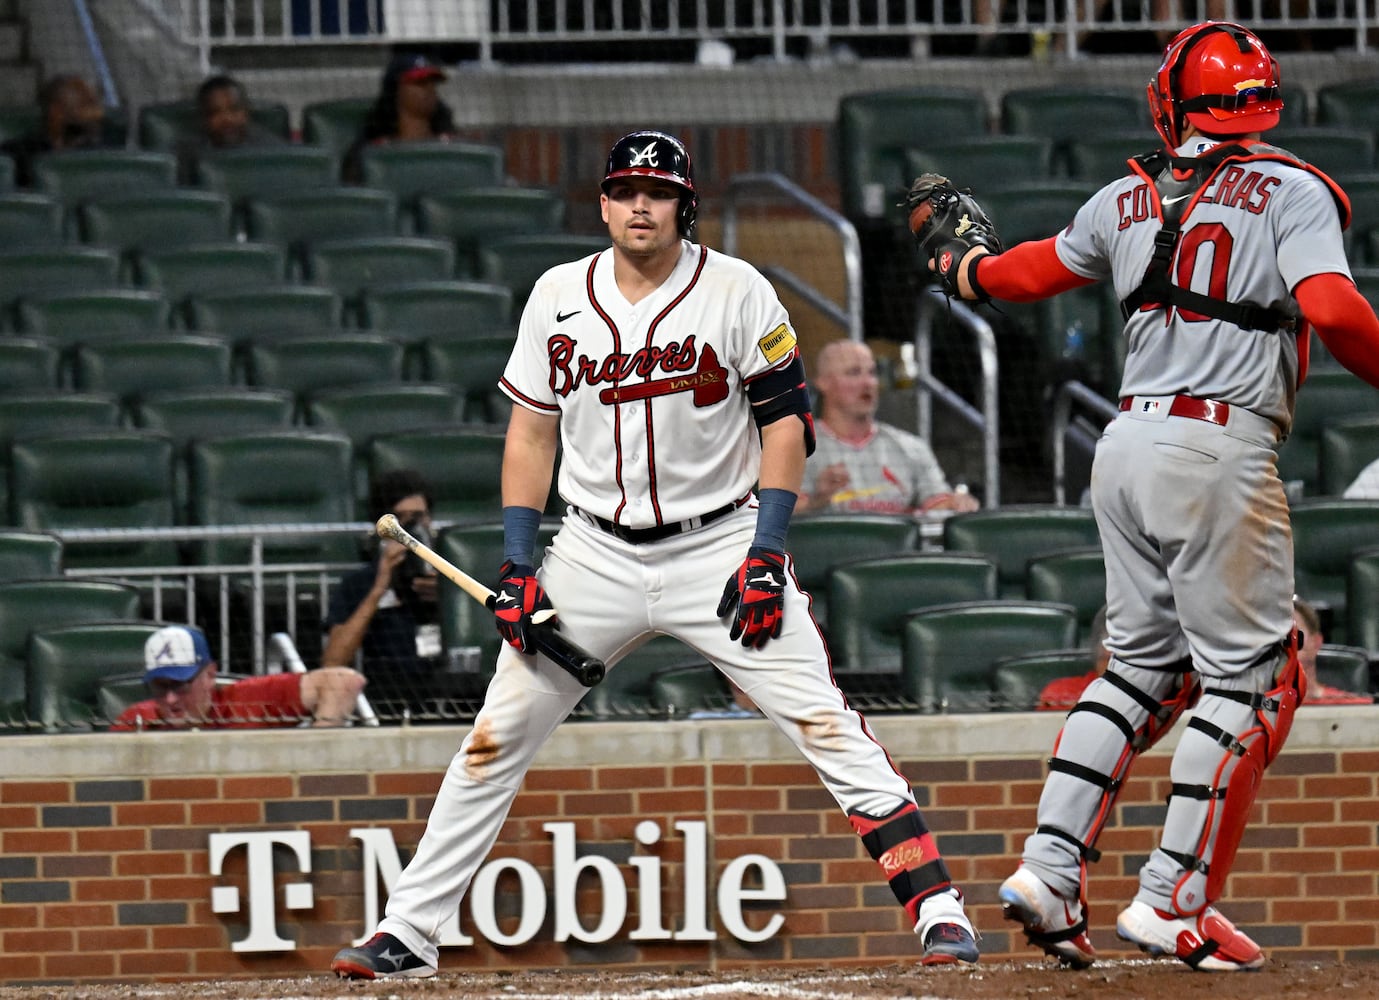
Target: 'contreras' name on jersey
[
  {"x": 569, "y": 372},
  {"x": 1234, "y": 187}
]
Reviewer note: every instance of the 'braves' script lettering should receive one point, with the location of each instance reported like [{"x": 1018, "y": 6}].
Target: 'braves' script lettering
[{"x": 570, "y": 370}]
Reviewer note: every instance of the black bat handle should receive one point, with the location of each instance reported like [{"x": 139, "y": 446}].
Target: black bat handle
[{"x": 586, "y": 669}]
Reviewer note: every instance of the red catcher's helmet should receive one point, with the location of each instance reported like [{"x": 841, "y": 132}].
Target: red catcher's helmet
[
  {"x": 656, "y": 154},
  {"x": 1219, "y": 77}
]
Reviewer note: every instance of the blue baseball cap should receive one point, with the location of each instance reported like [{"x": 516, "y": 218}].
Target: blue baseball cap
[{"x": 175, "y": 653}]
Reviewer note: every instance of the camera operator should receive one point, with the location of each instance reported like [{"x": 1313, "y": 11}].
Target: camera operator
[{"x": 388, "y": 608}]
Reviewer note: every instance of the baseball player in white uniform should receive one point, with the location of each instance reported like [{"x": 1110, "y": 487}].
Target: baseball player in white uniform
[
  {"x": 1223, "y": 250},
  {"x": 669, "y": 373}
]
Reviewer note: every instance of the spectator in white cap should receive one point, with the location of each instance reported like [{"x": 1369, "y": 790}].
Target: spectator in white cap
[{"x": 181, "y": 676}]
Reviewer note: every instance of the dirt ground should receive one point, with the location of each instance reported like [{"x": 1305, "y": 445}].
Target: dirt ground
[{"x": 1113, "y": 980}]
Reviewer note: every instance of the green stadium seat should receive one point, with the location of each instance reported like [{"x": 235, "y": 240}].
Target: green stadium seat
[
  {"x": 267, "y": 312},
  {"x": 363, "y": 412},
  {"x": 868, "y": 600},
  {"x": 131, "y": 368},
  {"x": 211, "y": 267},
  {"x": 518, "y": 261},
  {"x": 7, "y": 172},
  {"x": 267, "y": 171},
  {"x": 1327, "y": 394},
  {"x": 74, "y": 177},
  {"x": 1017, "y": 681},
  {"x": 95, "y": 316},
  {"x": 1094, "y": 313},
  {"x": 335, "y": 124},
  {"x": 677, "y": 692},
  {"x": 1326, "y": 535},
  {"x": 159, "y": 220},
  {"x": 28, "y": 606},
  {"x": 68, "y": 665},
  {"x": 1066, "y": 113},
  {"x": 1347, "y": 446},
  {"x": 29, "y": 414},
  {"x": 950, "y": 651},
  {"x": 187, "y": 415},
  {"x": 1362, "y": 188},
  {"x": 103, "y": 479},
  {"x": 1344, "y": 667},
  {"x": 1349, "y": 104},
  {"x": 1100, "y": 159},
  {"x": 1034, "y": 210},
  {"x": 819, "y": 542},
  {"x": 352, "y": 266},
  {"x": 290, "y": 477},
  {"x": 449, "y": 310},
  {"x": 985, "y": 163},
  {"x": 411, "y": 169},
  {"x": 1332, "y": 148},
  {"x": 477, "y": 549},
  {"x": 29, "y": 555},
  {"x": 463, "y": 466},
  {"x": 1076, "y": 577},
  {"x": 1362, "y": 601},
  {"x": 628, "y": 689},
  {"x": 307, "y": 365},
  {"x": 28, "y": 364},
  {"x": 471, "y": 366},
  {"x": 28, "y": 220},
  {"x": 300, "y": 219},
  {"x": 1015, "y": 534},
  {"x": 875, "y": 129},
  {"x": 54, "y": 271},
  {"x": 470, "y": 216},
  {"x": 162, "y": 127},
  {"x": 19, "y": 119}
]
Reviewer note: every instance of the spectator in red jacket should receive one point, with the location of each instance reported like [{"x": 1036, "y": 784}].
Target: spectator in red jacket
[{"x": 1062, "y": 692}]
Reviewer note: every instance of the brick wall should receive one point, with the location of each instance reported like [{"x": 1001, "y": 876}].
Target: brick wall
[{"x": 105, "y": 867}]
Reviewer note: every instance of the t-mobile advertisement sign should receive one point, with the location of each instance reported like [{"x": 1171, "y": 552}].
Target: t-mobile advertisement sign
[{"x": 538, "y": 900}]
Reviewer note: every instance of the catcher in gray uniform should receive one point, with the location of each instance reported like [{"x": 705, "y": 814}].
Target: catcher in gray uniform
[{"x": 1223, "y": 250}]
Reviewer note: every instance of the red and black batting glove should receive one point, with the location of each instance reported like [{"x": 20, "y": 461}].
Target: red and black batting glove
[
  {"x": 518, "y": 598},
  {"x": 758, "y": 590}
]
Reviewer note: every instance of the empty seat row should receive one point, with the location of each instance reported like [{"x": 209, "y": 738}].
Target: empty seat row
[
  {"x": 240, "y": 288},
  {"x": 39, "y": 381}
]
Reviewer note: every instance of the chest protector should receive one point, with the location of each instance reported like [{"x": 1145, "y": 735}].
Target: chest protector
[{"x": 1177, "y": 183}]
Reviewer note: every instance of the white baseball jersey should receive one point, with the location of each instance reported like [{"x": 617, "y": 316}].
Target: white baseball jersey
[
  {"x": 1256, "y": 231},
  {"x": 654, "y": 424}
]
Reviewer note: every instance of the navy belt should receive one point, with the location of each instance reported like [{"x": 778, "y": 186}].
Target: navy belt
[{"x": 657, "y": 532}]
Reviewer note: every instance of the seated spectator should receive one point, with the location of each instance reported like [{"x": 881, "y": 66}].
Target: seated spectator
[
  {"x": 1366, "y": 484},
  {"x": 387, "y": 609},
  {"x": 861, "y": 464},
  {"x": 73, "y": 118},
  {"x": 181, "y": 675},
  {"x": 223, "y": 107},
  {"x": 1062, "y": 693},
  {"x": 1305, "y": 617},
  {"x": 407, "y": 109}
]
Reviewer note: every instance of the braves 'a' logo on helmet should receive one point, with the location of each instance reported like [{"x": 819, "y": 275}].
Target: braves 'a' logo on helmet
[{"x": 644, "y": 157}]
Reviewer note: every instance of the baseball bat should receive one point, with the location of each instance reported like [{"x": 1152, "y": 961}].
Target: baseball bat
[{"x": 586, "y": 669}]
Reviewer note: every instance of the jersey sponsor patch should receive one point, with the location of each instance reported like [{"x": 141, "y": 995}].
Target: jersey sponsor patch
[{"x": 778, "y": 343}]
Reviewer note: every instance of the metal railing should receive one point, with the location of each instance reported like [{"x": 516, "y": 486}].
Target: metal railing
[
  {"x": 182, "y": 580},
  {"x": 1068, "y": 394},
  {"x": 779, "y": 23},
  {"x": 849, "y": 315},
  {"x": 985, "y": 419}
]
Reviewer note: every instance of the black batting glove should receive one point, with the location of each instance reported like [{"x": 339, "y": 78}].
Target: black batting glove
[
  {"x": 518, "y": 598},
  {"x": 758, "y": 591}
]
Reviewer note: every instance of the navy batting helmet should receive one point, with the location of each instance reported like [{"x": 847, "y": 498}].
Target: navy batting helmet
[{"x": 648, "y": 153}]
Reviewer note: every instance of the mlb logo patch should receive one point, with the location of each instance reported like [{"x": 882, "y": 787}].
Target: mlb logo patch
[{"x": 1149, "y": 406}]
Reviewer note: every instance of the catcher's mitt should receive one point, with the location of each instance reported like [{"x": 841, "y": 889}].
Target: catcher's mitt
[{"x": 946, "y": 224}]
